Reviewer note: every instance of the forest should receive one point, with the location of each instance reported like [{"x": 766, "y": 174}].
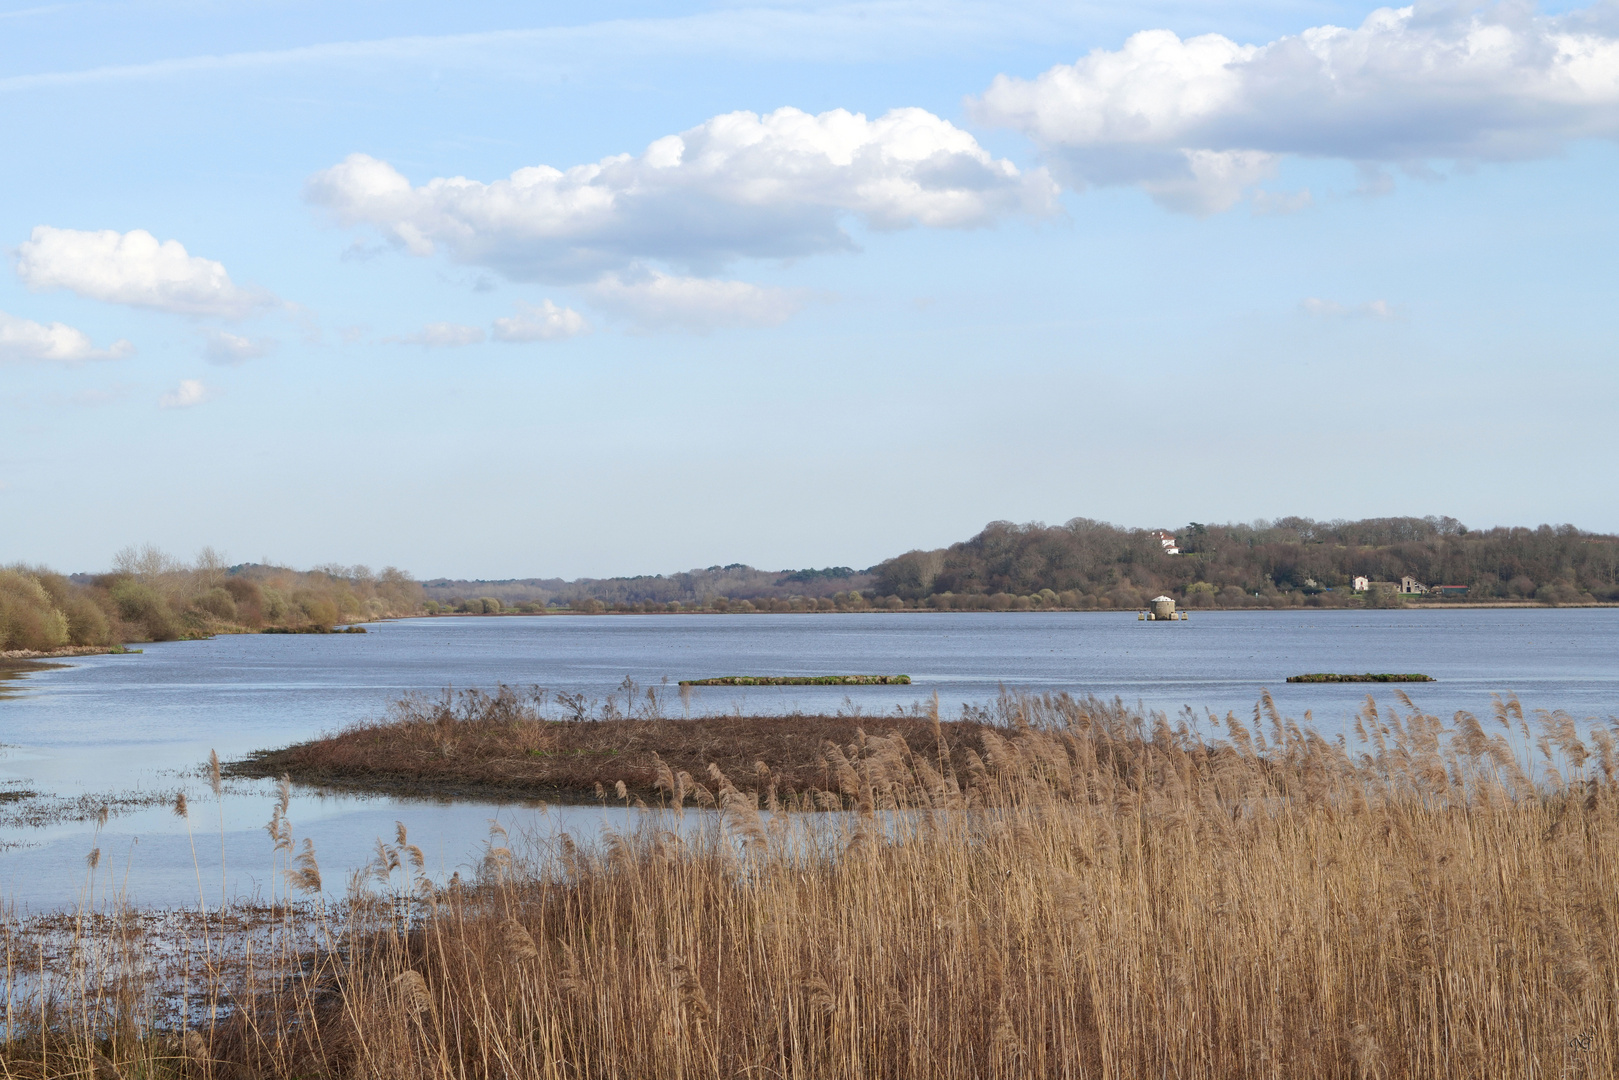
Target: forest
[
  {"x": 1083, "y": 564},
  {"x": 151, "y": 596},
  {"x": 1287, "y": 562}
]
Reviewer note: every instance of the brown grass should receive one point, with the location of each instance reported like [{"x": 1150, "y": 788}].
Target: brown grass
[
  {"x": 502, "y": 745},
  {"x": 1095, "y": 894}
]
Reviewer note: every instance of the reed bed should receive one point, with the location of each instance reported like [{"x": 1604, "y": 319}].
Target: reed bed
[{"x": 1094, "y": 893}]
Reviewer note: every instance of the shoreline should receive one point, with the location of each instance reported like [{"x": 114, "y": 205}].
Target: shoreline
[{"x": 1443, "y": 605}]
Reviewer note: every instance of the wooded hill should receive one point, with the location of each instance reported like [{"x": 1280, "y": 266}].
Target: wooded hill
[{"x": 1290, "y": 561}]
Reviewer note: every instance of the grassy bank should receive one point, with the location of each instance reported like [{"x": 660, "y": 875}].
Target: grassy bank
[{"x": 1084, "y": 892}]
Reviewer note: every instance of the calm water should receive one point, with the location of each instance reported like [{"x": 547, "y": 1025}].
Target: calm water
[{"x": 110, "y": 724}]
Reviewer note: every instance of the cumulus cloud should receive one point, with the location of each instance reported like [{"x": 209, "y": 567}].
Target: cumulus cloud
[
  {"x": 134, "y": 268},
  {"x": 190, "y": 392},
  {"x": 24, "y": 339},
  {"x": 231, "y": 349},
  {"x": 656, "y": 301},
  {"x": 440, "y": 335},
  {"x": 740, "y": 185},
  {"x": 544, "y": 321},
  {"x": 1197, "y": 122}
]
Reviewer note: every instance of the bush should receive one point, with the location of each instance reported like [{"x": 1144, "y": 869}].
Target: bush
[
  {"x": 318, "y": 610},
  {"x": 216, "y": 602},
  {"x": 140, "y": 606},
  {"x": 28, "y": 619}
]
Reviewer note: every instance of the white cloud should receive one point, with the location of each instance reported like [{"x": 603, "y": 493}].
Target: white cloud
[
  {"x": 231, "y": 349},
  {"x": 190, "y": 392},
  {"x": 134, "y": 268},
  {"x": 657, "y": 301},
  {"x": 1280, "y": 203},
  {"x": 544, "y": 321},
  {"x": 739, "y": 185},
  {"x": 1198, "y": 121},
  {"x": 24, "y": 339},
  {"x": 1331, "y": 309},
  {"x": 440, "y": 335}
]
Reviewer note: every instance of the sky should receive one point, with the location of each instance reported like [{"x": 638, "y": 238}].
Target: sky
[{"x": 508, "y": 290}]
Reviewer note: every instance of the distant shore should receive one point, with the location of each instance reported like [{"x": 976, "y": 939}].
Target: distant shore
[{"x": 1441, "y": 605}]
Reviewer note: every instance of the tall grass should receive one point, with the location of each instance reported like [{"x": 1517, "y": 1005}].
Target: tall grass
[{"x": 1097, "y": 893}]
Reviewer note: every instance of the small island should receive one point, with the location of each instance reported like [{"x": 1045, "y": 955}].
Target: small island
[
  {"x": 1325, "y": 677},
  {"x": 801, "y": 680}
]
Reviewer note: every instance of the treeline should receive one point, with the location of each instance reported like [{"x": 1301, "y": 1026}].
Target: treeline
[
  {"x": 151, "y": 596},
  {"x": 1288, "y": 562},
  {"x": 693, "y": 590}
]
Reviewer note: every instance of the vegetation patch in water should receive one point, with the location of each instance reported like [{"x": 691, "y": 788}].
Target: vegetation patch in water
[
  {"x": 1328, "y": 677},
  {"x": 801, "y": 680}
]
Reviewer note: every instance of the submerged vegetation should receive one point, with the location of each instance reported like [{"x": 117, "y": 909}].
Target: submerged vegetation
[
  {"x": 1075, "y": 890},
  {"x": 150, "y": 596}
]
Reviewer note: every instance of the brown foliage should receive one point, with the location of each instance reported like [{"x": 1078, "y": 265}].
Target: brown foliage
[
  {"x": 503, "y": 745},
  {"x": 1096, "y": 894}
]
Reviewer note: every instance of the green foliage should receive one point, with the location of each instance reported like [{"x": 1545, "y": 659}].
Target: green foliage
[
  {"x": 28, "y": 619},
  {"x": 1288, "y": 562},
  {"x": 141, "y": 606},
  {"x": 216, "y": 602}
]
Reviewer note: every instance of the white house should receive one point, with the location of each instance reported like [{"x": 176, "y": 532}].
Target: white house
[
  {"x": 1167, "y": 541},
  {"x": 1362, "y": 583}
]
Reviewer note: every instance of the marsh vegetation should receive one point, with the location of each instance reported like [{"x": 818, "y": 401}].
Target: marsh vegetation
[{"x": 1072, "y": 889}]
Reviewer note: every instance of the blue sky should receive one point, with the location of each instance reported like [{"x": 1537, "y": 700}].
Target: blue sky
[{"x": 296, "y": 280}]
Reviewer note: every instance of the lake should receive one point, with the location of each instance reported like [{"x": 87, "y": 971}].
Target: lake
[{"x": 110, "y": 725}]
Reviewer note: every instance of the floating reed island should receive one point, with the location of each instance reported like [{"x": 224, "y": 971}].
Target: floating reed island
[
  {"x": 507, "y": 745},
  {"x": 1071, "y": 888},
  {"x": 801, "y": 680},
  {"x": 1367, "y": 678}
]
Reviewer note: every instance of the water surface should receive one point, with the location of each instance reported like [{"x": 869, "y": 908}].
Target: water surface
[{"x": 108, "y": 724}]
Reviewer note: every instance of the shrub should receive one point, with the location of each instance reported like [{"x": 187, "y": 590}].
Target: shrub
[
  {"x": 28, "y": 619},
  {"x": 318, "y": 610},
  {"x": 216, "y": 602},
  {"x": 140, "y": 606}
]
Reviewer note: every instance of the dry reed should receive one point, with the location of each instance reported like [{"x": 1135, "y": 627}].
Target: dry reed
[{"x": 1094, "y": 893}]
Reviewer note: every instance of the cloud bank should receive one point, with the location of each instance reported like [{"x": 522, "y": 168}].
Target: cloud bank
[
  {"x": 741, "y": 185},
  {"x": 1197, "y": 122},
  {"x": 26, "y": 340},
  {"x": 137, "y": 269}
]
